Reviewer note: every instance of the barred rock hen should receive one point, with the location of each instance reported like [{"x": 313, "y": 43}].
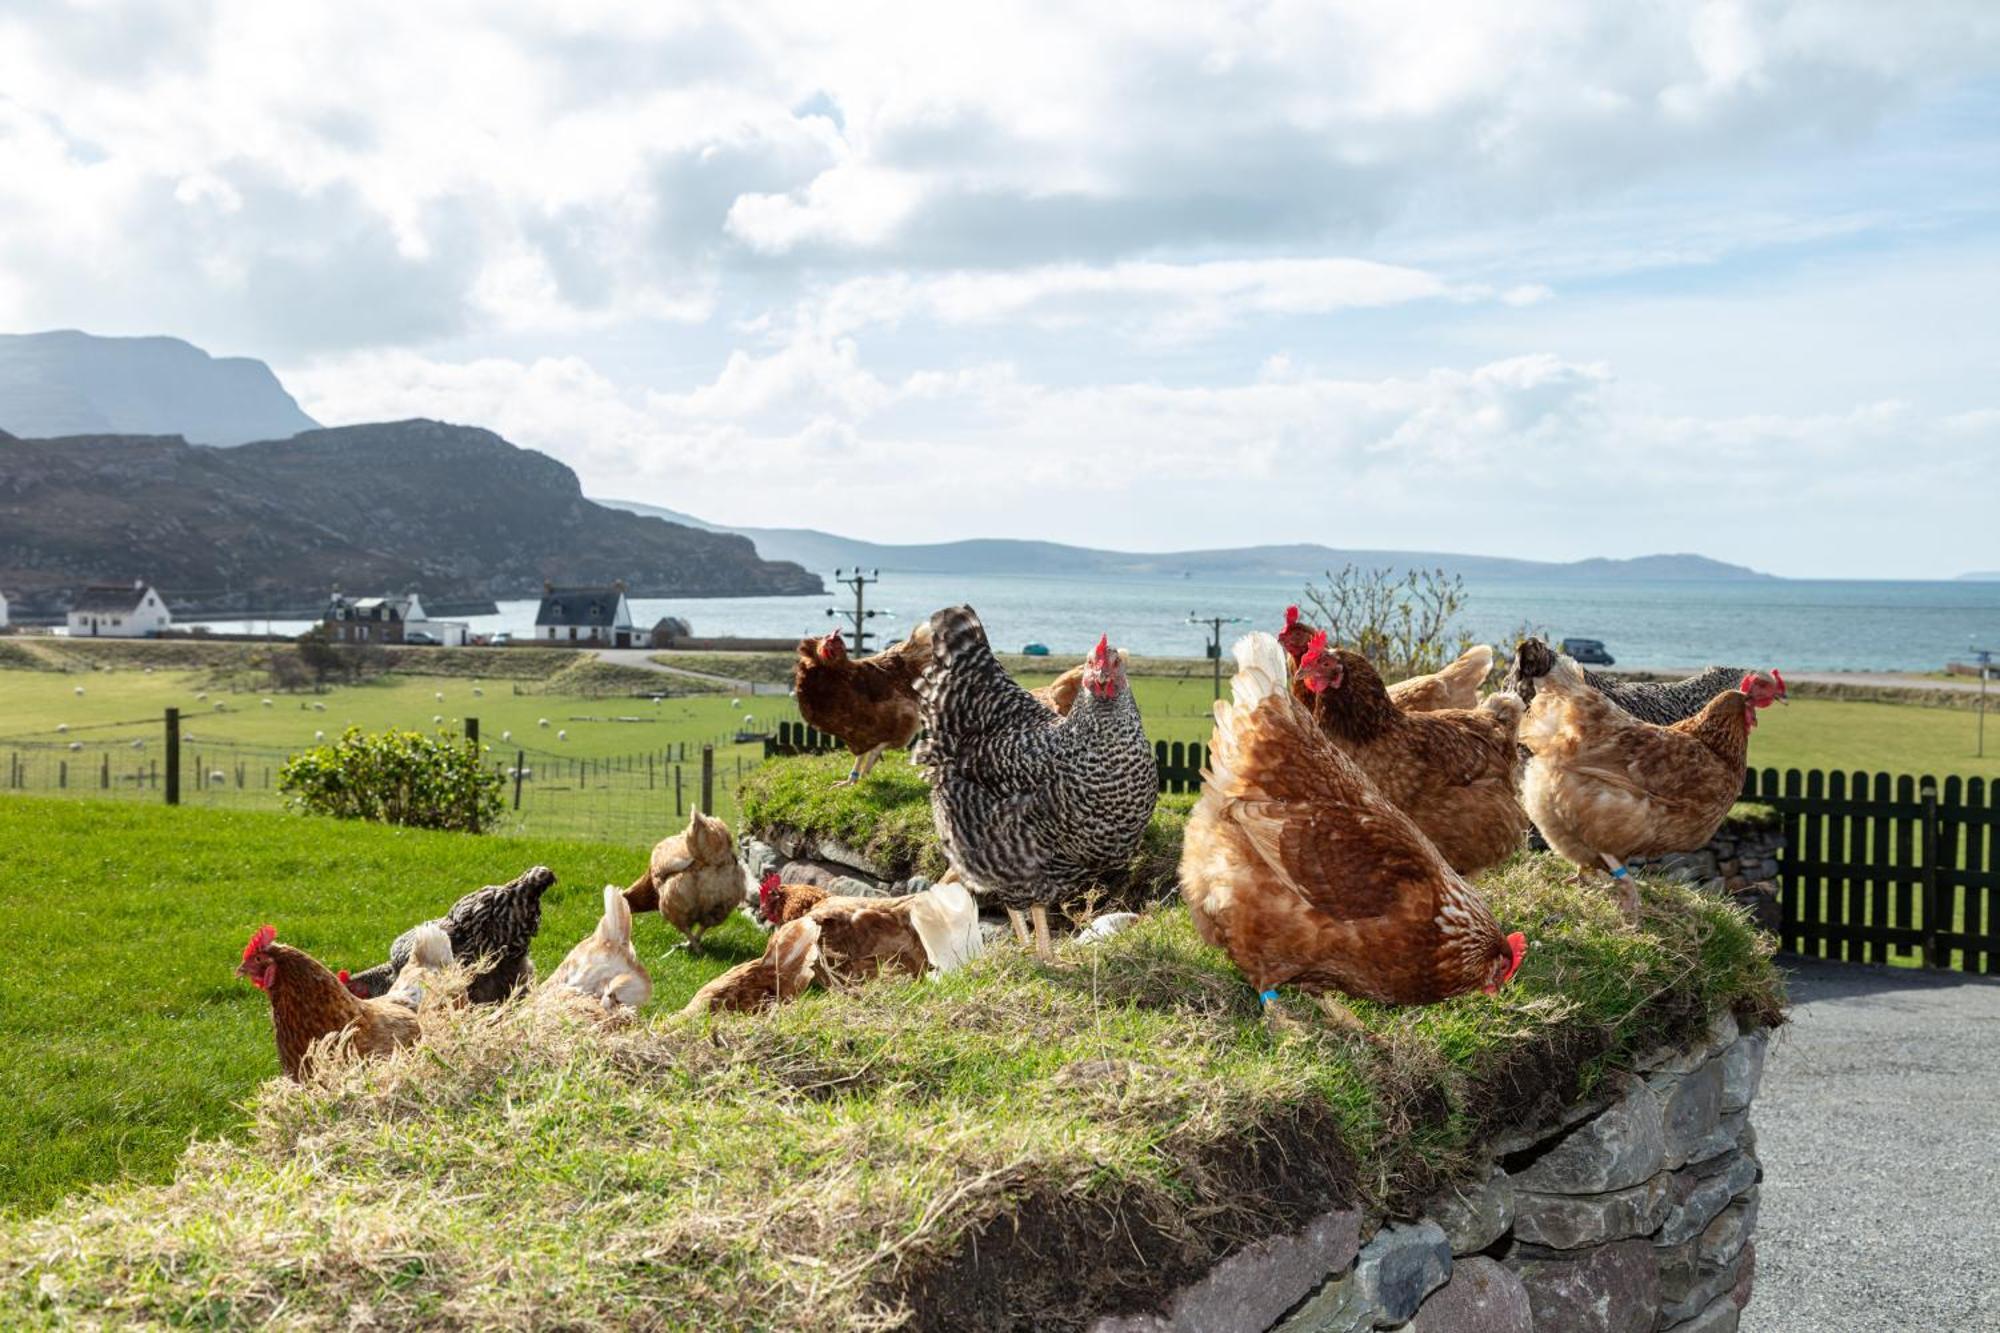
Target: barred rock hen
[
  {"x": 496, "y": 923},
  {"x": 1033, "y": 809},
  {"x": 309, "y": 1002},
  {"x": 1453, "y": 685},
  {"x": 1604, "y": 786},
  {"x": 1298, "y": 869},
  {"x": 1452, "y": 771},
  {"x": 1662, "y": 703},
  {"x": 870, "y": 703}
]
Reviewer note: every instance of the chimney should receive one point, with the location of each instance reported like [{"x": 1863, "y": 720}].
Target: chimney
[
  {"x": 548, "y": 586},
  {"x": 618, "y": 585}
]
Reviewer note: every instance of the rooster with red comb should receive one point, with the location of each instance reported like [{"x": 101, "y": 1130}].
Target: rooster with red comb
[{"x": 1034, "y": 810}]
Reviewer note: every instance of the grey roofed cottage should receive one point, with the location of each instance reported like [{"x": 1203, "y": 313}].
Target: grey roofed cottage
[
  {"x": 372, "y": 619},
  {"x": 585, "y": 615},
  {"x": 118, "y": 610}
]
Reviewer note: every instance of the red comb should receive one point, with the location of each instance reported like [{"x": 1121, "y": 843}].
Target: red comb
[
  {"x": 1317, "y": 644},
  {"x": 770, "y": 880},
  {"x": 1749, "y": 679},
  {"x": 259, "y": 939},
  {"x": 341, "y": 976},
  {"x": 1291, "y": 616},
  {"x": 1517, "y": 945},
  {"x": 1778, "y": 676},
  {"x": 1103, "y": 649}
]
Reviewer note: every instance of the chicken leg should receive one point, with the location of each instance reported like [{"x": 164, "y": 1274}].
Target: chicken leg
[
  {"x": 1627, "y": 890},
  {"x": 862, "y": 767},
  {"x": 1020, "y": 924},
  {"x": 1039, "y": 913}
]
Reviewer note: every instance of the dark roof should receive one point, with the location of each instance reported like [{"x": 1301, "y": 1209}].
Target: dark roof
[
  {"x": 109, "y": 597},
  {"x": 579, "y": 606}
]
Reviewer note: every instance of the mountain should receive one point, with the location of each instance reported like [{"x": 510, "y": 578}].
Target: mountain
[
  {"x": 271, "y": 527},
  {"x": 70, "y": 383},
  {"x": 823, "y": 550},
  {"x": 1981, "y": 576}
]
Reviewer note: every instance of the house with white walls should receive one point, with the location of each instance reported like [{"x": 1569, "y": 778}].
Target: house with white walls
[{"x": 132, "y": 610}]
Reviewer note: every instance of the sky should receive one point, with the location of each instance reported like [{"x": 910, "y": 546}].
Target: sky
[{"x": 1545, "y": 279}]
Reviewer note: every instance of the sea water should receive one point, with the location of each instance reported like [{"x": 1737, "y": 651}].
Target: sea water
[{"x": 1790, "y": 623}]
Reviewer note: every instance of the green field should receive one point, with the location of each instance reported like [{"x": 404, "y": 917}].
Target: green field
[{"x": 122, "y": 1028}]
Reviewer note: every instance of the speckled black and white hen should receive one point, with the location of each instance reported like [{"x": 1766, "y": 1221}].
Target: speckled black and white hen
[
  {"x": 1033, "y": 809},
  {"x": 1660, "y": 702},
  {"x": 497, "y": 923}
]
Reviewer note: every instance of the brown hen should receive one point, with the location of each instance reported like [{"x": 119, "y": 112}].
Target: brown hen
[
  {"x": 869, "y": 703},
  {"x": 309, "y": 1002},
  {"x": 1298, "y": 869}
]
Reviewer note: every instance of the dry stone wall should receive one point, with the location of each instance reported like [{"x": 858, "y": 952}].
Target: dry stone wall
[{"x": 1634, "y": 1214}]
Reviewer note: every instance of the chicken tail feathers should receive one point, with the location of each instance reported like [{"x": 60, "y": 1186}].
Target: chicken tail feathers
[
  {"x": 1262, "y": 673},
  {"x": 616, "y": 926},
  {"x": 946, "y": 919},
  {"x": 430, "y": 947}
]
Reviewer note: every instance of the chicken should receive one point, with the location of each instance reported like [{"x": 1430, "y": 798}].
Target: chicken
[
  {"x": 602, "y": 977},
  {"x": 854, "y": 941},
  {"x": 779, "y": 902},
  {"x": 1451, "y": 771},
  {"x": 785, "y": 970},
  {"x": 1033, "y": 809},
  {"x": 309, "y": 1002},
  {"x": 1604, "y": 786},
  {"x": 693, "y": 879},
  {"x": 495, "y": 924},
  {"x": 869, "y": 703},
  {"x": 1305, "y": 875},
  {"x": 1454, "y": 685},
  {"x": 1059, "y": 695},
  {"x": 1662, "y": 703}
]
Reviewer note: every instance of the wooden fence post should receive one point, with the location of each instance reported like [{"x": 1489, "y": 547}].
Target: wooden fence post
[
  {"x": 173, "y": 756},
  {"x": 1933, "y": 908},
  {"x": 708, "y": 779},
  {"x": 520, "y": 760}
]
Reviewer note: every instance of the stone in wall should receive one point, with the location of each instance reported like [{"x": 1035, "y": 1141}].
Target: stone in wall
[
  {"x": 1252, "y": 1288},
  {"x": 1482, "y": 1297},
  {"x": 1624, "y": 1145},
  {"x": 1606, "y": 1289}
]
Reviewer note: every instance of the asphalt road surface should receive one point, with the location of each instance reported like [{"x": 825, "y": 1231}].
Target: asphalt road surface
[{"x": 1879, "y": 1129}]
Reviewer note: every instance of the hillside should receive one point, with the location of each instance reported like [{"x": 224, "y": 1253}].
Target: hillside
[
  {"x": 452, "y": 510},
  {"x": 1302, "y": 560},
  {"x": 71, "y": 383}
]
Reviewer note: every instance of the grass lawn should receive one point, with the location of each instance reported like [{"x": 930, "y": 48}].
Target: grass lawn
[
  {"x": 616, "y": 796},
  {"x": 905, "y": 1146},
  {"x": 122, "y": 1028}
]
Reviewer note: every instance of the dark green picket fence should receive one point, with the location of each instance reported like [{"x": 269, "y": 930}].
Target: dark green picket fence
[{"x": 1881, "y": 868}]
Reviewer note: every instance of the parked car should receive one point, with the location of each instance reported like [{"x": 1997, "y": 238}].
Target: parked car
[
  {"x": 1035, "y": 650},
  {"x": 1590, "y": 652},
  {"x": 501, "y": 638}
]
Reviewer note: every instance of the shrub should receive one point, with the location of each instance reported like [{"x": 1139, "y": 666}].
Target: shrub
[
  {"x": 396, "y": 777},
  {"x": 1405, "y": 625}
]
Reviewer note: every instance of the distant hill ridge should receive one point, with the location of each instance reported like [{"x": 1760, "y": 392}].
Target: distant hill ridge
[
  {"x": 70, "y": 383},
  {"x": 995, "y": 555},
  {"x": 271, "y": 527}
]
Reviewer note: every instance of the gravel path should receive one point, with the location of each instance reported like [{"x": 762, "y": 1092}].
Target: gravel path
[
  {"x": 1879, "y": 1128},
  {"x": 643, "y": 659}
]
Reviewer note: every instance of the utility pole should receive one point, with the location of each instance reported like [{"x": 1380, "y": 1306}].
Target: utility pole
[
  {"x": 1985, "y": 658},
  {"x": 858, "y": 580},
  {"x": 1215, "y": 624}
]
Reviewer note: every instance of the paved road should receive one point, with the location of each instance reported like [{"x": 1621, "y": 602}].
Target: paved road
[
  {"x": 1879, "y": 1128},
  {"x": 1888, "y": 680}
]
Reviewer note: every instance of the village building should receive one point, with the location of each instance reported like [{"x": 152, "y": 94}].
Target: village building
[
  {"x": 598, "y": 615},
  {"x": 395, "y": 618},
  {"x": 3, "y": 610},
  {"x": 119, "y": 611}
]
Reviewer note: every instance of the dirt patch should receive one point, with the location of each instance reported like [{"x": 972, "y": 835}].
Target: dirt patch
[{"x": 1058, "y": 1261}]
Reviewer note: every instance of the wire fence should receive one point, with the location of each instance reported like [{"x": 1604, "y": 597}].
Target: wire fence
[{"x": 635, "y": 796}]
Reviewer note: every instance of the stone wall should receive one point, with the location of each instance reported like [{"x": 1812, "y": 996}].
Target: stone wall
[
  {"x": 1740, "y": 861},
  {"x": 1634, "y": 1214}
]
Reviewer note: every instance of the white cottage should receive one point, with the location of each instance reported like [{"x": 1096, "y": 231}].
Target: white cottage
[
  {"x": 119, "y": 611},
  {"x": 3, "y": 610},
  {"x": 585, "y": 615}
]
